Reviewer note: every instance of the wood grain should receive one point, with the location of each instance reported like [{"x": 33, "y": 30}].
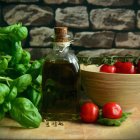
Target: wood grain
[{"x": 129, "y": 129}]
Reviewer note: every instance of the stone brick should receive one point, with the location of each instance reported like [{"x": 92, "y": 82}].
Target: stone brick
[
  {"x": 111, "y": 2},
  {"x": 63, "y": 1},
  {"x": 99, "y": 52},
  {"x": 37, "y": 53},
  {"x": 116, "y": 19},
  {"x": 138, "y": 19},
  {"x": 74, "y": 17},
  {"x": 41, "y": 37},
  {"x": 128, "y": 40},
  {"x": 94, "y": 39},
  {"x": 28, "y": 14},
  {"x": 9, "y": 1}
]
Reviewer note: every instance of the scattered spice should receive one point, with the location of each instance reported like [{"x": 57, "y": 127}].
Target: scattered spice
[
  {"x": 53, "y": 123},
  {"x": 60, "y": 123},
  {"x": 47, "y": 124}
]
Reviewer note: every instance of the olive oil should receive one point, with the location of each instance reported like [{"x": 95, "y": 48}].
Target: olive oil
[{"x": 60, "y": 80}]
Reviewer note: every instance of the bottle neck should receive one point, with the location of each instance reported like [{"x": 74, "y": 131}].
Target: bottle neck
[{"x": 62, "y": 47}]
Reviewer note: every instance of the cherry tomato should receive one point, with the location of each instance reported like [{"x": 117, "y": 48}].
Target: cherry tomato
[
  {"x": 108, "y": 68},
  {"x": 138, "y": 67},
  {"x": 112, "y": 110},
  {"x": 118, "y": 65},
  {"x": 89, "y": 112},
  {"x": 128, "y": 68}
]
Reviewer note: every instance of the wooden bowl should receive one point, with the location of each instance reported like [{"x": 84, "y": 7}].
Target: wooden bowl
[{"x": 107, "y": 87}]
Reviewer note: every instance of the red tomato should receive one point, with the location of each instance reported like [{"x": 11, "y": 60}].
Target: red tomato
[
  {"x": 112, "y": 110},
  {"x": 118, "y": 65},
  {"x": 128, "y": 68},
  {"x": 108, "y": 68},
  {"x": 89, "y": 112},
  {"x": 138, "y": 67}
]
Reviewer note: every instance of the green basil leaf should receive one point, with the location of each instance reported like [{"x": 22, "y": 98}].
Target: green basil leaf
[
  {"x": 34, "y": 96},
  {"x": 20, "y": 69},
  {"x": 25, "y": 113},
  {"x": 3, "y": 65},
  {"x": 12, "y": 94},
  {"x": 4, "y": 90},
  {"x": 6, "y": 106},
  {"x": 25, "y": 57},
  {"x": 35, "y": 68},
  {"x": 22, "y": 82},
  {"x": 16, "y": 53}
]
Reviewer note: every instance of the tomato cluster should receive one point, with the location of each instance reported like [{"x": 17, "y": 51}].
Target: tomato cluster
[
  {"x": 121, "y": 67},
  {"x": 89, "y": 111}
]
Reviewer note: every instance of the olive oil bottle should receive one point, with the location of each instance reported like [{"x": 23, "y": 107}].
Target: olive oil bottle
[{"x": 60, "y": 79}]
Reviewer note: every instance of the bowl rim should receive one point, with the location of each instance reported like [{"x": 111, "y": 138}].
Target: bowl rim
[
  {"x": 105, "y": 73},
  {"x": 110, "y": 73}
]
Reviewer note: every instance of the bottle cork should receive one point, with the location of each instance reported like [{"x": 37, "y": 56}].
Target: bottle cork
[{"x": 61, "y": 34}]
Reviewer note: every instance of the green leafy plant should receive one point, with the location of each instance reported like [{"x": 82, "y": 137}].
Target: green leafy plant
[
  {"x": 20, "y": 78},
  {"x": 15, "y": 32}
]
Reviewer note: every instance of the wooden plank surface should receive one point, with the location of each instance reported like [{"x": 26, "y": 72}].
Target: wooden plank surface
[{"x": 130, "y": 129}]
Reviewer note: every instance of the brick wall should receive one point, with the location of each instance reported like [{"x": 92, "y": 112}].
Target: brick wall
[{"x": 99, "y": 26}]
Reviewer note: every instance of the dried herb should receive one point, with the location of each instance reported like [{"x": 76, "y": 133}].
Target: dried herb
[
  {"x": 107, "y": 59},
  {"x": 53, "y": 123}
]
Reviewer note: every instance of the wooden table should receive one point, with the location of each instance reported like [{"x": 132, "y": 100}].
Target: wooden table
[{"x": 130, "y": 129}]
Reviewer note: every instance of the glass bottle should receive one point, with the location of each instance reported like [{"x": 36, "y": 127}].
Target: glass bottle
[{"x": 60, "y": 80}]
